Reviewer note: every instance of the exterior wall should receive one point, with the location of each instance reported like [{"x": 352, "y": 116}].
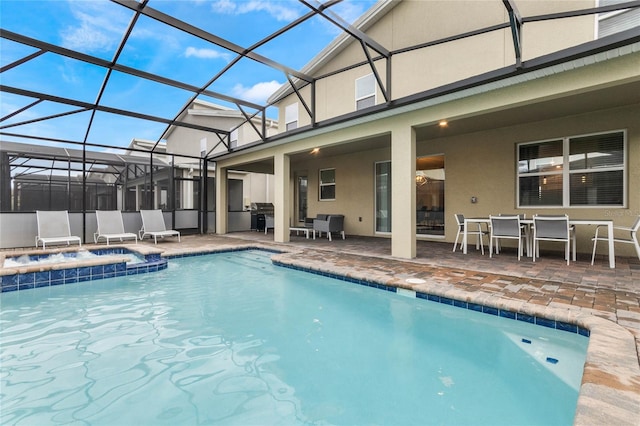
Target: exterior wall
[
  {"x": 258, "y": 188},
  {"x": 355, "y": 189},
  {"x": 186, "y": 141},
  {"x": 427, "y": 68},
  {"x": 541, "y": 38}
]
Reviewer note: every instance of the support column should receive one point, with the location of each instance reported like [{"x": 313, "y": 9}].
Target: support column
[
  {"x": 403, "y": 192},
  {"x": 282, "y": 197},
  {"x": 222, "y": 203}
]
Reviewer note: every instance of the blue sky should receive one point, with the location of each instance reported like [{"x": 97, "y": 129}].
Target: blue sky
[{"x": 96, "y": 27}]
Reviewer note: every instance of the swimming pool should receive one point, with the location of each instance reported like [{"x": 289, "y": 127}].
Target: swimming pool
[{"x": 231, "y": 338}]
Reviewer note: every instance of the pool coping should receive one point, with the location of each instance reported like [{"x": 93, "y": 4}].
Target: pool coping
[
  {"x": 27, "y": 277},
  {"x": 610, "y": 388}
]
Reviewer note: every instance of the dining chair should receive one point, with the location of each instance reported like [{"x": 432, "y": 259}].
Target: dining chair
[
  {"x": 525, "y": 230},
  {"x": 479, "y": 233},
  {"x": 505, "y": 227},
  {"x": 553, "y": 228},
  {"x": 633, "y": 237}
]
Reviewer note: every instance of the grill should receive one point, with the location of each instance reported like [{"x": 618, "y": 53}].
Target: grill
[{"x": 258, "y": 212}]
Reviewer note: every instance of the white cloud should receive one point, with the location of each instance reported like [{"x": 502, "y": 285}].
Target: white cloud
[
  {"x": 257, "y": 93},
  {"x": 206, "y": 54},
  {"x": 350, "y": 10},
  {"x": 276, "y": 10},
  {"x": 98, "y": 27},
  {"x": 224, "y": 6}
]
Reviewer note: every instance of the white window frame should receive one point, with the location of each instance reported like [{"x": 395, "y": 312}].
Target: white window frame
[
  {"x": 291, "y": 116},
  {"x": 566, "y": 172},
  {"x": 233, "y": 139},
  {"x": 372, "y": 93},
  {"x": 322, "y": 185}
]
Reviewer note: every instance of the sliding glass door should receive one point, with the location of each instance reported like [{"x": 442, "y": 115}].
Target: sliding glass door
[
  {"x": 383, "y": 196},
  {"x": 430, "y": 195}
]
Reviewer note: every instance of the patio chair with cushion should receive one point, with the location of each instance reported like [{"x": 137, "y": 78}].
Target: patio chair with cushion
[
  {"x": 153, "y": 225},
  {"x": 632, "y": 239},
  {"x": 479, "y": 233},
  {"x": 111, "y": 227},
  {"x": 505, "y": 227},
  {"x": 329, "y": 223},
  {"x": 53, "y": 227},
  {"x": 553, "y": 228}
]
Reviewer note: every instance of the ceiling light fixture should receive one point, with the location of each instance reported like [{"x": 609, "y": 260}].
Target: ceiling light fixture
[
  {"x": 315, "y": 150},
  {"x": 443, "y": 123}
]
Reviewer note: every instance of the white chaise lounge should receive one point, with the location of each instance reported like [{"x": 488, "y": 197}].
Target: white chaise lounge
[
  {"x": 53, "y": 227},
  {"x": 111, "y": 227},
  {"x": 153, "y": 225}
]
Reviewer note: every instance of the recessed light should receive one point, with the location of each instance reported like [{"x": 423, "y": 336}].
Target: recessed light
[
  {"x": 315, "y": 150},
  {"x": 443, "y": 123}
]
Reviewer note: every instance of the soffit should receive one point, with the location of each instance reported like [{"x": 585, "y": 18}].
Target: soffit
[{"x": 605, "y": 98}]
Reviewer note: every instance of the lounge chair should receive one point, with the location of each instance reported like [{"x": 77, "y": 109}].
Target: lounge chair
[
  {"x": 111, "y": 227},
  {"x": 153, "y": 225},
  {"x": 53, "y": 227}
]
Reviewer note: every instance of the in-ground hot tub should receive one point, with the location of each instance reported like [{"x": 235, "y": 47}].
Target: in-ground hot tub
[{"x": 27, "y": 270}]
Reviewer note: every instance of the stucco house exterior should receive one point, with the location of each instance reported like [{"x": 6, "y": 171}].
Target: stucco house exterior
[{"x": 445, "y": 107}]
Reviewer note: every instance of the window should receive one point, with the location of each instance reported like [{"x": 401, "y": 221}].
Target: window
[
  {"x": 365, "y": 92},
  {"x": 587, "y": 170},
  {"x": 616, "y": 21},
  {"x": 291, "y": 116},
  {"x": 233, "y": 139},
  {"x": 327, "y": 184}
]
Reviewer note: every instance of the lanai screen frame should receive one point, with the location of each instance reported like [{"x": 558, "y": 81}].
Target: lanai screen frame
[{"x": 297, "y": 79}]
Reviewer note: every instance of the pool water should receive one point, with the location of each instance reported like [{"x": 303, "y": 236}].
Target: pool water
[{"x": 232, "y": 339}]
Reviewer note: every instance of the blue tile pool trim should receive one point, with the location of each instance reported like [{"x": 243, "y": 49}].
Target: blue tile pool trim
[
  {"x": 503, "y": 313},
  {"x": 29, "y": 280},
  {"x": 367, "y": 283},
  {"x": 226, "y": 250},
  {"x": 544, "y": 322}
]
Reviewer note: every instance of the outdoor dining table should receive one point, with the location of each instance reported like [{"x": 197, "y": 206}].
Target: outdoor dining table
[{"x": 597, "y": 222}]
